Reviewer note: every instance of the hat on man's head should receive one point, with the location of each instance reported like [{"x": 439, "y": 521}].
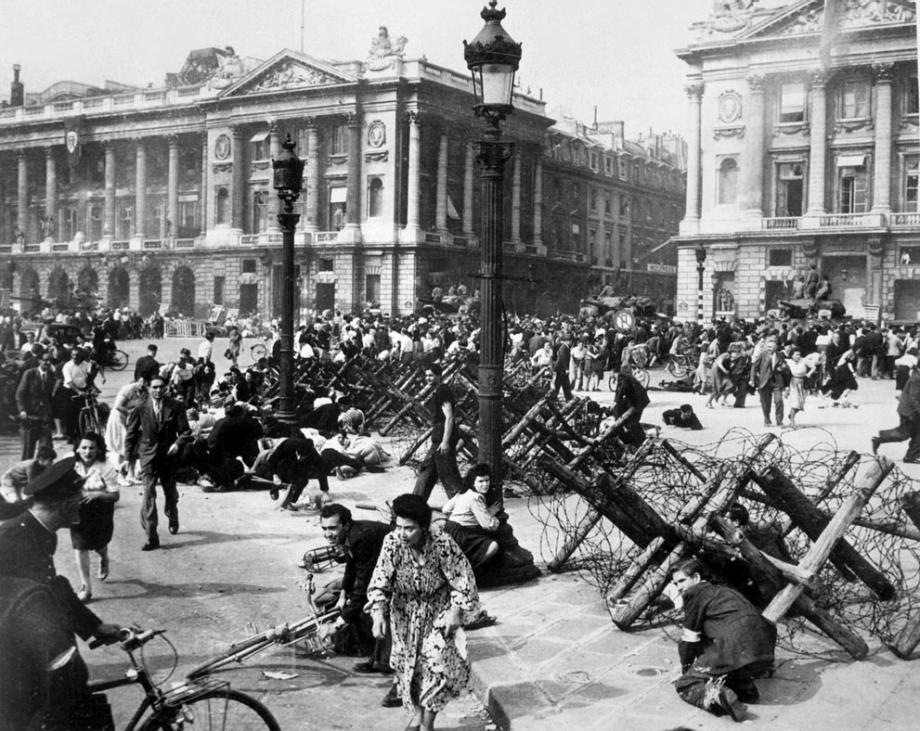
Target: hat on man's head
[{"x": 58, "y": 482}]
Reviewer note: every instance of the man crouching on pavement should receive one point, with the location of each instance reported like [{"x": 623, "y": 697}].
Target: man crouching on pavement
[
  {"x": 42, "y": 676},
  {"x": 361, "y": 541}
]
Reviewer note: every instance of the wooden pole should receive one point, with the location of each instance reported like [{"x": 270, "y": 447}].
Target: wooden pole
[
  {"x": 821, "y": 549},
  {"x": 846, "y": 558}
]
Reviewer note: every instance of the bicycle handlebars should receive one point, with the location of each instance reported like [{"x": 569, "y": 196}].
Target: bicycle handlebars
[{"x": 132, "y": 638}]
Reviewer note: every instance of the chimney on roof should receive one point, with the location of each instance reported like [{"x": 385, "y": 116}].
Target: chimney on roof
[
  {"x": 17, "y": 91},
  {"x": 595, "y": 117}
]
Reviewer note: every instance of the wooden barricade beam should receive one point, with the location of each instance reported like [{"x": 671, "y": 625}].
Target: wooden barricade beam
[
  {"x": 908, "y": 638},
  {"x": 821, "y": 549},
  {"x": 805, "y": 515}
]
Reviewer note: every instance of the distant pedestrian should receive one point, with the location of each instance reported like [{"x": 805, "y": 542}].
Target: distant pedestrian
[
  {"x": 34, "y": 399},
  {"x": 909, "y": 415},
  {"x": 768, "y": 377},
  {"x": 441, "y": 460},
  {"x": 799, "y": 371},
  {"x": 561, "y": 367},
  {"x": 147, "y": 366}
]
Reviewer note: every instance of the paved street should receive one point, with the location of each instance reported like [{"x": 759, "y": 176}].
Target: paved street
[{"x": 553, "y": 661}]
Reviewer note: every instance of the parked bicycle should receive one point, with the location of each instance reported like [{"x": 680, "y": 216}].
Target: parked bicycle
[
  {"x": 638, "y": 358},
  {"x": 199, "y": 703}
]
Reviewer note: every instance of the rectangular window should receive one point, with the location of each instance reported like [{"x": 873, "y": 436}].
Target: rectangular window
[
  {"x": 608, "y": 205},
  {"x": 259, "y": 211},
  {"x": 790, "y": 177},
  {"x": 912, "y": 97},
  {"x": 621, "y": 163},
  {"x": 248, "y": 266},
  {"x": 188, "y": 219},
  {"x": 792, "y": 102},
  {"x": 219, "y": 290},
  {"x": 259, "y": 148},
  {"x": 911, "y": 185},
  {"x": 853, "y": 190},
  {"x": 339, "y": 140},
  {"x": 779, "y": 257},
  {"x": 372, "y": 289},
  {"x": 854, "y": 100},
  {"x": 326, "y": 264}
]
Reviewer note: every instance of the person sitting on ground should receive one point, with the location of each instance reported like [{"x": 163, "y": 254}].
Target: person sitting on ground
[
  {"x": 235, "y": 436},
  {"x": 291, "y": 461},
  {"x": 725, "y": 644},
  {"x": 471, "y": 522}
]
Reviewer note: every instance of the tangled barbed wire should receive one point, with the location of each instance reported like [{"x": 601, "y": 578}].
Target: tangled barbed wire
[{"x": 668, "y": 479}]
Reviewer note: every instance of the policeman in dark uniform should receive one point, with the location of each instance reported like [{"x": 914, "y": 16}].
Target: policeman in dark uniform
[{"x": 42, "y": 676}]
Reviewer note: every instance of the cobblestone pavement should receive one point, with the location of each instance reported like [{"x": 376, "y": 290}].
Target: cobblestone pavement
[{"x": 553, "y": 661}]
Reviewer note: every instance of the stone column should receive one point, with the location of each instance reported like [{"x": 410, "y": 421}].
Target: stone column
[
  {"x": 353, "y": 191},
  {"x": 468, "y": 189},
  {"x": 313, "y": 177},
  {"x": 172, "y": 189},
  {"x": 694, "y": 153},
  {"x": 817, "y": 153},
  {"x": 516, "y": 201},
  {"x": 441, "y": 205},
  {"x": 22, "y": 194},
  {"x": 238, "y": 180},
  {"x": 412, "y": 184},
  {"x": 203, "y": 190},
  {"x": 108, "y": 215},
  {"x": 752, "y": 162},
  {"x": 51, "y": 188},
  {"x": 140, "y": 189},
  {"x": 274, "y": 202},
  {"x": 538, "y": 204},
  {"x": 881, "y": 185}
]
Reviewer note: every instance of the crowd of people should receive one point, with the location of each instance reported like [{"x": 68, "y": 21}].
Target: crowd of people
[{"x": 409, "y": 586}]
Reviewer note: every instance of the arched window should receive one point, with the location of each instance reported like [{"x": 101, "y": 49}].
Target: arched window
[
  {"x": 375, "y": 198},
  {"x": 728, "y": 181},
  {"x": 223, "y": 205}
]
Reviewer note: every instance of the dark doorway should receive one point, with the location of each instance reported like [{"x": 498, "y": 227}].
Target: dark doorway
[
  {"x": 249, "y": 299},
  {"x": 183, "y": 292},
  {"x": 150, "y": 292},
  {"x": 325, "y": 296},
  {"x": 119, "y": 288}
]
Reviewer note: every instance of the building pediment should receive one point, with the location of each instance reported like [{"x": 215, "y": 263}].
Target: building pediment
[
  {"x": 808, "y": 16},
  {"x": 286, "y": 71}
]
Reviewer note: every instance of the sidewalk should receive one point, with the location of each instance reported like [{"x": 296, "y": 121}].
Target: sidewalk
[{"x": 556, "y": 661}]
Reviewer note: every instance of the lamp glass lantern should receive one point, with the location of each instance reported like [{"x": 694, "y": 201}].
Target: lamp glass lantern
[
  {"x": 492, "y": 58},
  {"x": 288, "y": 172},
  {"x": 700, "y": 252}
]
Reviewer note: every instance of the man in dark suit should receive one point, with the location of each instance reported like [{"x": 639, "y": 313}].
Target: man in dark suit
[
  {"x": 768, "y": 377},
  {"x": 147, "y": 366},
  {"x": 33, "y": 399},
  {"x": 153, "y": 435}
]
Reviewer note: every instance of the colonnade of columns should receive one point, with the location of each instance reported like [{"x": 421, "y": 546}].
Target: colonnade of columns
[{"x": 754, "y": 164}]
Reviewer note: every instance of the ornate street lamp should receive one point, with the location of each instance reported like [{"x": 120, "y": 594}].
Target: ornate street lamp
[
  {"x": 492, "y": 57},
  {"x": 700, "y": 268},
  {"x": 288, "y": 180}
]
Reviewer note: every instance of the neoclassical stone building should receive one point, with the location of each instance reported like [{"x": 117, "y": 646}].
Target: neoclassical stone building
[
  {"x": 803, "y": 149},
  {"x": 161, "y": 198}
]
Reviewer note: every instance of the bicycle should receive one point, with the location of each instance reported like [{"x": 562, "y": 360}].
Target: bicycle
[
  {"x": 638, "y": 358},
  {"x": 199, "y": 703},
  {"x": 91, "y": 417},
  {"x": 307, "y": 631}
]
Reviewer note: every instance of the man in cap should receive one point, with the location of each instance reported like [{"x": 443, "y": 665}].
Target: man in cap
[
  {"x": 147, "y": 366},
  {"x": 33, "y": 399},
  {"x": 41, "y": 672},
  {"x": 152, "y": 436}
]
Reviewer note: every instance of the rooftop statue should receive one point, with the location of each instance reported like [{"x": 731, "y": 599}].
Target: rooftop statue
[{"x": 383, "y": 51}]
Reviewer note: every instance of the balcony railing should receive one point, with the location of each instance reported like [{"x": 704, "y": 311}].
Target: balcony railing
[
  {"x": 249, "y": 239},
  {"x": 325, "y": 237},
  {"x": 120, "y": 245},
  {"x": 59, "y": 247},
  {"x": 850, "y": 220},
  {"x": 905, "y": 219},
  {"x": 153, "y": 243},
  {"x": 184, "y": 243},
  {"x": 784, "y": 223}
]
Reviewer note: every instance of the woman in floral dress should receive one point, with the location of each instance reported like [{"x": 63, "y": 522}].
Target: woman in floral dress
[{"x": 426, "y": 584}]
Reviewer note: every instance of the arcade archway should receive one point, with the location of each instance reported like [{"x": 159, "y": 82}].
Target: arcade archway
[
  {"x": 150, "y": 291},
  {"x": 119, "y": 288},
  {"x": 183, "y": 292}
]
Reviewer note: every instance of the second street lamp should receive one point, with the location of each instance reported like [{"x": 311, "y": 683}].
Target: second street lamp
[
  {"x": 492, "y": 57},
  {"x": 700, "y": 268},
  {"x": 288, "y": 180}
]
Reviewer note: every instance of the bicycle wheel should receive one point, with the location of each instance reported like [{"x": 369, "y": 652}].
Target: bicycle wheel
[
  {"x": 227, "y": 710},
  {"x": 119, "y": 360},
  {"x": 88, "y": 422},
  {"x": 677, "y": 370},
  {"x": 612, "y": 381}
]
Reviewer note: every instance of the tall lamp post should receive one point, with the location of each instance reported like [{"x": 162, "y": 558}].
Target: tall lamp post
[
  {"x": 288, "y": 180},
  {"x": 700, "y": 268},
  {"x": 492, "y": 57}
]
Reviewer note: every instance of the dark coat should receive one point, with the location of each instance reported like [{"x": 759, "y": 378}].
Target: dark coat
[
  {"x": 147, "y": 367},
  {"x": 33, "y": 397},
  {"x": 26, "y": 552},
  {"x": 764, "y": 374},
  {"x": 149, "y": 441},
  {"x": 362, "y": 548}
]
